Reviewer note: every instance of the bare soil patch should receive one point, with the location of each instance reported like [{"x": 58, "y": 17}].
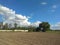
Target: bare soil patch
[{"x": 29, "y": 38}]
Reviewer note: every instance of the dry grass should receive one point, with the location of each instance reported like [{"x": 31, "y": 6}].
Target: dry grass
[{"x": 29, "y": 38}]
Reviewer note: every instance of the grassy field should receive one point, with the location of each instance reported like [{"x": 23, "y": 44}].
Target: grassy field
[{"x": 29, "y": 38}]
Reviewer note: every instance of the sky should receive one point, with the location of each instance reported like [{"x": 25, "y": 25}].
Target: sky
[{"x": 31, "y": 12}]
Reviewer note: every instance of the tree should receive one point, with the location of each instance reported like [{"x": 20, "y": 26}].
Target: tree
[
  {"x": 37, "y": 29},
  {"x": 5, "y": 26},
  {"x": 15, "y": 25},
  {"x": 1, "y": 25},
  {"x": 31, "y": 29},
  {"x": 10, "y": 26},
  {"x": 44, "y": 26}
]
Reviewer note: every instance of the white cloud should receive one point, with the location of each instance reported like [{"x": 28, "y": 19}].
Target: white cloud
[
  {"x": 56, "y": 26},
  {"x": 10, "y": 16},
  {"x": 36, "y": 24},
  {"x": 43, "y": 3},
  {"x": 6, "y": 11}
]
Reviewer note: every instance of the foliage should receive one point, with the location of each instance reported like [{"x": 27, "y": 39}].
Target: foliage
[
  {"x": 37, "y": 29},
  {"x": 44, "y": 26},
  {"x": 5, "y": 26},
  {"x": 31, "y": 29},
  {"x": 15, "y": 25}
]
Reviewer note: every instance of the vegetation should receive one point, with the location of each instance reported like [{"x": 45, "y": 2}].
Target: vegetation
[
  {"x": 44, "y": 26},
  {"x": 31, "y": 29}
]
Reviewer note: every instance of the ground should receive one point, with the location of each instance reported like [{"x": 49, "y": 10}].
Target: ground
[{"x": 29, "y": 38}]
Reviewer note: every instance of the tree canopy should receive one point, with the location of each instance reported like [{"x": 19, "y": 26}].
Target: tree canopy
[{"x": 44, "y": 26}]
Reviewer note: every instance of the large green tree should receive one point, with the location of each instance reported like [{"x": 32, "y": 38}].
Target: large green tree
[{"x": 44, "y": 26}]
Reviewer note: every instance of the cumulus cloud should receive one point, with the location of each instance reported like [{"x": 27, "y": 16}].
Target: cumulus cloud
[
  {"x": 36, "y": 24},
  {"x": 56, "y": 26},
  {"x": 10, "y": 16},
  {"x": 6, "y": 11}
]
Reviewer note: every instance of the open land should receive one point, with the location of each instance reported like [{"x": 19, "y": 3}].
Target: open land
[{"x": 29, "y": 38}]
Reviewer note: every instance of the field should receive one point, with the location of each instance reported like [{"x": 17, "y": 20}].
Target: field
[{"x": 29, "y": 38}]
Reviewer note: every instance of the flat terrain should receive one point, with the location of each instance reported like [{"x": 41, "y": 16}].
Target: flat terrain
[{"x": 29, "y": 38}]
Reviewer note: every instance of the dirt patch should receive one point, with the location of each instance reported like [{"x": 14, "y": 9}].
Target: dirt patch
[{"x": 29, "y": 38}]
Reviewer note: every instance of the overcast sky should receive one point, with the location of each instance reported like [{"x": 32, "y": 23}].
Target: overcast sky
[{"x": 31, "y": 12}]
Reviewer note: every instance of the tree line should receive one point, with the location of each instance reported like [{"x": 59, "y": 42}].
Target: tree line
[{"x": 44, "y": 26}]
